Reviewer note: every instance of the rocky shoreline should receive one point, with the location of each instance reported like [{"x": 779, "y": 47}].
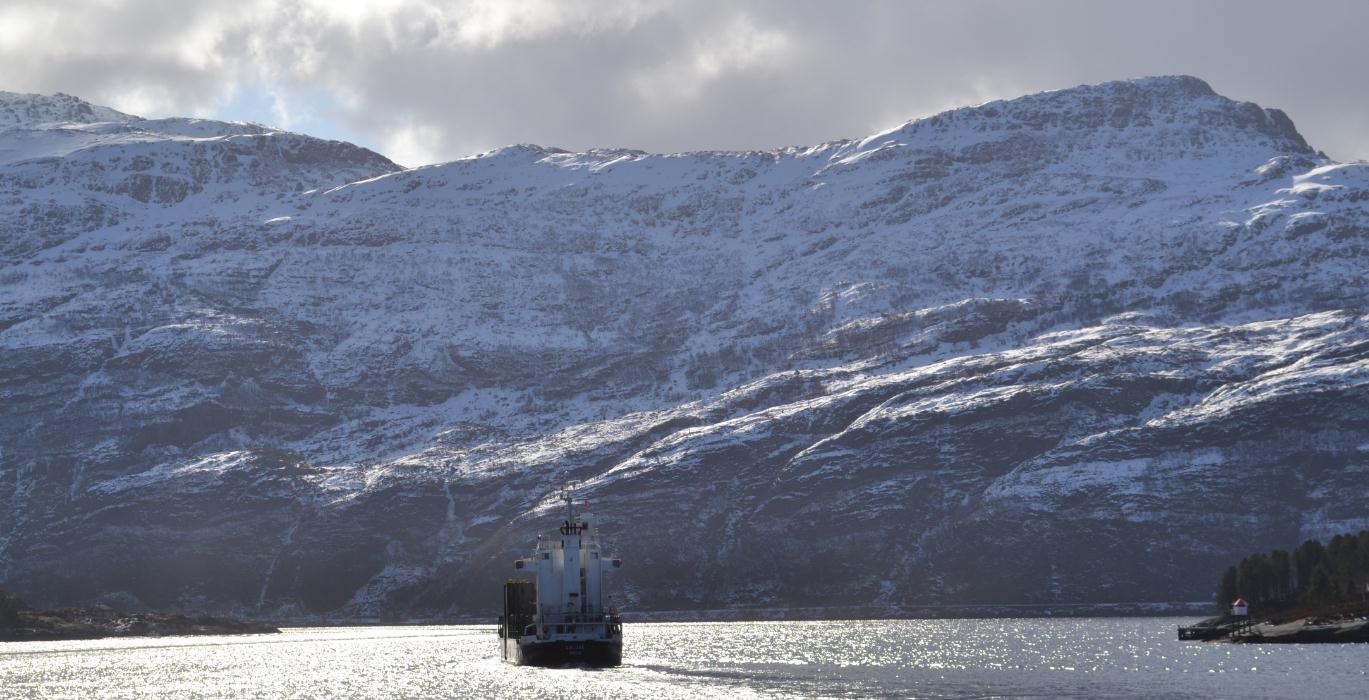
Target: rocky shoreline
[
  {"x": 1338, "y": 627},
  {"x": 19, "y": 623},
  {"x": 1306, "y": 631}
]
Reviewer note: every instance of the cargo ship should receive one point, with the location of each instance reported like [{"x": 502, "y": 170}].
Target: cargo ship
[{"x": 554, "y": 613}]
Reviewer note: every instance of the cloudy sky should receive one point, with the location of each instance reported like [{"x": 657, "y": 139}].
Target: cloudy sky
[{"x": 425, "y": 81}]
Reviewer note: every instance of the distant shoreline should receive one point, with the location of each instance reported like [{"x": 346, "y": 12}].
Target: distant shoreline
[
  {"x": 922, "y": 612},
  {"x": 929, "y": 612},
  {"x": 102, "y": 623}
]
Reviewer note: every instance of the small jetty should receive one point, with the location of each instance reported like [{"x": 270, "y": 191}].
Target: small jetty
[
  {"x": 1223, "y": 627},
  {"x": 1204, "y": 633}
]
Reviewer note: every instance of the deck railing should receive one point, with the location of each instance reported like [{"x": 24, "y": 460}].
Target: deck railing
[{"x": 576, "y": 623}]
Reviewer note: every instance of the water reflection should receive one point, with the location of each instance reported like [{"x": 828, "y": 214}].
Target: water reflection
[{"x": 923, "y": 658}]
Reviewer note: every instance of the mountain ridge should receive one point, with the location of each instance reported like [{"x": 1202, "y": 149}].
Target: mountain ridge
[
  {"x": 291, "y": 377},
  {"x": 26, "y": 110}
]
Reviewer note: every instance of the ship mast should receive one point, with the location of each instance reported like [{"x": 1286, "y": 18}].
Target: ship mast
[{"x": 568, "y": 495}]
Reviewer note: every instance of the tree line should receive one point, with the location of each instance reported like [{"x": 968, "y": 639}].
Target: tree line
[{"x": 1313, "y": 574}]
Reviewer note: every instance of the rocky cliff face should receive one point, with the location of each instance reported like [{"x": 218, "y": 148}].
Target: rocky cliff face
[{"x": 1074, "y": 347}]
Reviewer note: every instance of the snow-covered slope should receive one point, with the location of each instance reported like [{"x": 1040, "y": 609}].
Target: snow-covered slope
[
  {"x": 1068, "y": 347},
  {"x": 31, "y": 111}
]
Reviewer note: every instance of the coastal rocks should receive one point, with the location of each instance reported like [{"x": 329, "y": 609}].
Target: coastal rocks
[
  {"x": 1326, "y": 627},
  {"x": 1308, "y": 631}
]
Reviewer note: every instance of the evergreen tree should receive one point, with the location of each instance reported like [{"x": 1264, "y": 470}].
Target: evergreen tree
[
  {"x": 1363, "y": 552},
  {"x": 1306, "y": 559},
  {"x": 1283, "y": 573},
  {"x": 1256, "y": 578},
  {"x": 1228, "y": 590},
  {"x": 1343, "y": 551},
  {"x": 1321, "y": 591}
]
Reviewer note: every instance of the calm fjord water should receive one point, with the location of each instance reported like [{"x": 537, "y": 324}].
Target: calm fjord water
[{"x": 1094, "y": 657}]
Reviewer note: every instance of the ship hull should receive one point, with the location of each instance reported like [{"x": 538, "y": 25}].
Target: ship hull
[{"x": 591, "y": 652}]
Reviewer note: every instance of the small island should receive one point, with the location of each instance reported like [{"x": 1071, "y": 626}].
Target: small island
[
  {"x": 19, "y": 622},
  {"x": 1318, "y": 594}
]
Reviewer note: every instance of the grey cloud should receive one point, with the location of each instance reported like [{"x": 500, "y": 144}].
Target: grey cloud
[{"x": 433, "y": 81}]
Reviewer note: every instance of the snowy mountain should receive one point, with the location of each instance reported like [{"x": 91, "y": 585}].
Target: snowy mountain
[{"x": 1078, "y": 346}]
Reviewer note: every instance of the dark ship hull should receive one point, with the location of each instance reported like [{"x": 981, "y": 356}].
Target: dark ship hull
[{"x": 558, "y": 653}]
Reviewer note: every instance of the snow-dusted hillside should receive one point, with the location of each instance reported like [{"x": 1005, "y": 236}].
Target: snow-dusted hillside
[{"x": 1069, "y": 347}]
